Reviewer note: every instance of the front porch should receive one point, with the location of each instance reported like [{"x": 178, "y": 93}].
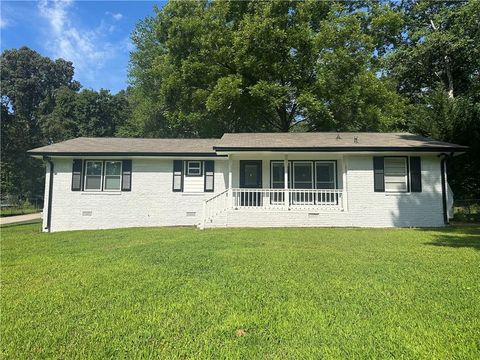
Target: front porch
[
  {"x": 276, "y": 200},
  {"x": 281, "y": 183}
]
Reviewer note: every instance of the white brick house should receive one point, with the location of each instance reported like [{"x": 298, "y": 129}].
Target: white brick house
[{"x": 260, "y": 180}]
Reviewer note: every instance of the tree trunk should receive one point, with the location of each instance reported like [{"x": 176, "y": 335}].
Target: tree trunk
[
  {"x": 284, "y": 124},
  {"x": 448, "y": 71}
]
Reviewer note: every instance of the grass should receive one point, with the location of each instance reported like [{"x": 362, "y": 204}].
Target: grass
[
  {"x": 241, "y": 293},
  {"x": 20, "y": 210}
]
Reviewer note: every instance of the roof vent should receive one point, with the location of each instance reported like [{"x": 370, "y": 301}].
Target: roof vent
[
  {"x": 355, "y": 139},
  {"x": 339, "y": 137}
]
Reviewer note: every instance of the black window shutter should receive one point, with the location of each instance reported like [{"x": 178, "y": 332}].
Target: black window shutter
[
  {"x": 209, "y": 175},
  {"x": 77, "y": 175},
  {"x": 378, "y": 174},
  {"x": 177, "y": 175},
  {"x": 415, "y": 174},
  {"x": 126, "y": 175}
]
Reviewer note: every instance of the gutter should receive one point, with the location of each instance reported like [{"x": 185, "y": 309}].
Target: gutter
[
  {"x": 123, "y": 153},
  {"x": 342, "y": 149},
  {"x": 50, "y": 192}
]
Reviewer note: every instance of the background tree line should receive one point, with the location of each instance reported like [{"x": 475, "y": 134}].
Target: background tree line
[{"x": 204, "y": 68}]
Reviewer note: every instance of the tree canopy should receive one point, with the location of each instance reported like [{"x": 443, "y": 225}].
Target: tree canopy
[{"x": 212, "y": 67}]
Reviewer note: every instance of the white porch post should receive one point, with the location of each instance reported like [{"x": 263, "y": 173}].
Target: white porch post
[
  {"x": 230, "y": 180},
  {"x": 344, "y": 183},
  {"x": 285, "y": 179}
]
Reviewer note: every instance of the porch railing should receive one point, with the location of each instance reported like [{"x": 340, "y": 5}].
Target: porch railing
[
  {"x": 273, "y": 199},
  {"x": 291, "y": 199},
  {"x": 215, "y": 206}
]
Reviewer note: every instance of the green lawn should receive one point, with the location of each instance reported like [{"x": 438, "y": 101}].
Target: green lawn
[
  {"x": 187, "y": 293},
  {"x": 14, "y": 211}
]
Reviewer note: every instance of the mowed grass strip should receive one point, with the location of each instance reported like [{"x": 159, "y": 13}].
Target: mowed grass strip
[{"x": 241, "y": 293}]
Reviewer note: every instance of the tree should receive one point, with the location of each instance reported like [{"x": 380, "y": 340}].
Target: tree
[
  {"x": 86, "y": 113},
  {"x": 206, "y": 68},
  {"x": 28, "y": 83},
  {"x": 437, "y": 68}
]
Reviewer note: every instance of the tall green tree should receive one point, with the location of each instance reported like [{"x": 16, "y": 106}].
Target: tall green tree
[
  {"x": 28, "y": 82},
  {"x": 205, "y": 68},
  {"x": 86, "y": 113},
  {"x": 437, "y": 69}
]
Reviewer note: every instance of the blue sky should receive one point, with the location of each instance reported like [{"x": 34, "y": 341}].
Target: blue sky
[{"x": 94, "y": 35}]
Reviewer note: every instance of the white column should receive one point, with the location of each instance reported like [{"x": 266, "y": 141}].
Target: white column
[
  {"x": 230, "y": 179},
  {"x": 285, "y": 179},
  {"x": 344, "y": 183}
]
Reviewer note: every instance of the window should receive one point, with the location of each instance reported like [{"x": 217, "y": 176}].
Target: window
[
  {"x": 302, "y": 175},
  {"x": 113, "y": 175},
  {"x": 396, "y": 178},
  {"x": 278, "y": 175},
  {"x": 93, "y": 175},
  {"x": 194, "y": 168},
  {"x": 325, "y": 175}
]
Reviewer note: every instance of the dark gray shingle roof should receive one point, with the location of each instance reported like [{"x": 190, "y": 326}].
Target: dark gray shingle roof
[
  {"x": 325, "y": 141},
  {"x": 331, "y": 141},
  {"x": 133, "y": 146}
]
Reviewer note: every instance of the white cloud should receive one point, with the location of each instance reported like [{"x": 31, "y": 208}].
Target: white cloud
[
  {"x": 115, "y": 16},
  {"x": 3, "y": 23},
  {"x": 88, "y": 49}
]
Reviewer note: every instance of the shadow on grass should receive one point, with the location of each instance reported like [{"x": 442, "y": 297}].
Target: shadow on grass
[{"x": 457, "y": 237}]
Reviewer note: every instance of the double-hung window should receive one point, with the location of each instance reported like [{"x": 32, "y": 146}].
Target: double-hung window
[
  {"x": 101, "y": 175},
  {"x": 325, "y": 177},
  {"x": 396, "y": 174},
  {"x": 194, "y": 168},
  {"x": 303, "y": 179},
  {"x": 278, "y": 181},
  {"x": 303, "y": 174},
  {"x": 113, "y": 176},
  {"x": 93, "y": 175}
]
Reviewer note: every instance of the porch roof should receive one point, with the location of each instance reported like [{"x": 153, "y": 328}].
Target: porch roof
[{"x": 332, "y": 141}]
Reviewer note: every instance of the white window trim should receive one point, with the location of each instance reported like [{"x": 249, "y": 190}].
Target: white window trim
[
  {"x": 405, "y": 159},
  {"x": 85, "y": 176},
  {"x": 105, "y": 175},
  {"x": 334, "y": 172},
  {"x": 200, "y": 167}
]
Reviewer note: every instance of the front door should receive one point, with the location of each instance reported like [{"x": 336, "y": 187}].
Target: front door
[{"x": 250, "y": 178}]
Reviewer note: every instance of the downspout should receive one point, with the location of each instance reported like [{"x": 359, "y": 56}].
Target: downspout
[
  {"x": 443, "y": 172},
  {"x": 50, "y": 192}
]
